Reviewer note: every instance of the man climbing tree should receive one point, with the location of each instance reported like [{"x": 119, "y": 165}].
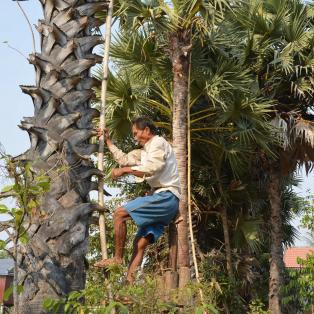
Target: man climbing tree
[{"x": 155, "y": 163}]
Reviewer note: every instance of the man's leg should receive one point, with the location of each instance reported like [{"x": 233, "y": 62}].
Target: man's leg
[
  {"x": 139, "y": 246},
  {"x": 119, "y": 219}
]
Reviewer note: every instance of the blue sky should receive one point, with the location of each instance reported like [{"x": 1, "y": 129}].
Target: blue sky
[{"x": 15, "y": 70}]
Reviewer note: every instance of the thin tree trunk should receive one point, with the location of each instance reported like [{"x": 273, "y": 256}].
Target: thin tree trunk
[
  {"x": 224, "y": 219},
  {"x": 53, "y": 261},
  {"x": 180, "y": 46},
  {"x": 276, "y": 260}
]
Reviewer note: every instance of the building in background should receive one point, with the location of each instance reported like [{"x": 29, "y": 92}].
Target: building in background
[
  {"x": 6, "y": 280},
  {"x": 291, "y": 255}
]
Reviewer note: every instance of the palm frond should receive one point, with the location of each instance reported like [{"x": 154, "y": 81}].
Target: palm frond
[
  {"x": 125, "y": 99},
  {"x": 304, "y": 131},
  {"x": 138, "y": 54},
  {"x": 136, "y": 14},
  {"x": 248, "y": 232}
]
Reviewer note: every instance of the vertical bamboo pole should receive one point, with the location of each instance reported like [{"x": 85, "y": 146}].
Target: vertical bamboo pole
[
  {"x": 102, "y": 125},
  {"x": 189, "y": 183}
]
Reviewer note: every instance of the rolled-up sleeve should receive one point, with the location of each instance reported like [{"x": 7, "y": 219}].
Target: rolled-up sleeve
[
  {"x": 154, "y": 161},
  {"x": 130, "y": 159}
]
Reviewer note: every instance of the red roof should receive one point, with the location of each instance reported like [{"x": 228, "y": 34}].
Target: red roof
[{"x": 291, "y": 254}]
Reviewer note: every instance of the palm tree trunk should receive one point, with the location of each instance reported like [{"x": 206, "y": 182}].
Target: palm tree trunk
[
  {"x": 179, "y": 44},
  {"x": 276, "y": 261},
  {"x": 52, "y": 264},
  {"x": 171, "y": 275}
]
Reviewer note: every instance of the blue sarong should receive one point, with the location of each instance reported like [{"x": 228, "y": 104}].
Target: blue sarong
[{"x": 153, "y": 212}]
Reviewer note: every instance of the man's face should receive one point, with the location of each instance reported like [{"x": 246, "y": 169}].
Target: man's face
[{"x": 141, "y": 136}]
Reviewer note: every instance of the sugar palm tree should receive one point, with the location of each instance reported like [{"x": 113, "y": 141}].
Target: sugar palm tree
[
  {"x": 52, "y": 263},
  {"x": 278, "y": 40}
]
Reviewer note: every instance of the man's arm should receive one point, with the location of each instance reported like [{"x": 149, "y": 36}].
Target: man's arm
[
  {"x": 155, "y": 161},
  {"x": 130, "y": 159},
  {"x": 118, "y": 172}
]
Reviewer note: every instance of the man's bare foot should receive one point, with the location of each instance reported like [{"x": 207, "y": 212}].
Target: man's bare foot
[{"x": 108, "y": 262}]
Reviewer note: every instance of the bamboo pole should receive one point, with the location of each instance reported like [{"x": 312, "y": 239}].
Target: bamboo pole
[
  {"x": 102, "y": 125},
  {"x": 197, "y": 276}
]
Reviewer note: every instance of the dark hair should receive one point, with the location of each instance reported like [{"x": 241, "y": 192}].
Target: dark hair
[{"x": 145, "y": 122}]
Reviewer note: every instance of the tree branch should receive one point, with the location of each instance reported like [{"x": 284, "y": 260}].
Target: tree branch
[{"x": 30, "y": 25}]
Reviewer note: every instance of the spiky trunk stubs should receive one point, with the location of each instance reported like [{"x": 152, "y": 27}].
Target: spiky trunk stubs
[
  {"x": 180, "y": 51},
  {"x": 52, "y": 263},
  {"x": 276, "y": 261}
]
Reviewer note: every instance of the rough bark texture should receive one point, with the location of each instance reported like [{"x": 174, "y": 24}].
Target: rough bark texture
[
  {"x": 53, "y": 262},
  {"x": 180, "y": 65},
  {"x": 173, "y": 247},
  {"x": 276, "y": 261},
  {"x": 171, "y": 275}
]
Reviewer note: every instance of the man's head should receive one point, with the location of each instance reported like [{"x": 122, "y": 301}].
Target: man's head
[{"x": 143, "y": 129}]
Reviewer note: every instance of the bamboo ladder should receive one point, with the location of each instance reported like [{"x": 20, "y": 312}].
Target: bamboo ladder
[{"x": 102, "y": 125}]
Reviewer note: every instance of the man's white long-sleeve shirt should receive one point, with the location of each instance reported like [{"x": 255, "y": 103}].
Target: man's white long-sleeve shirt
[{"x": 158, "y": 162}]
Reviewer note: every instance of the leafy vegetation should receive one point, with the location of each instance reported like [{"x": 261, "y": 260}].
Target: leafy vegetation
[
  {"x": 298, "y": 290},
  {"x": 26, "y": 190}
]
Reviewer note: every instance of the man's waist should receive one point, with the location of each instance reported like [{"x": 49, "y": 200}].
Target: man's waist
[
  {"x": 155, "y": 188},
  {"x": 174, "y": 190}
]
